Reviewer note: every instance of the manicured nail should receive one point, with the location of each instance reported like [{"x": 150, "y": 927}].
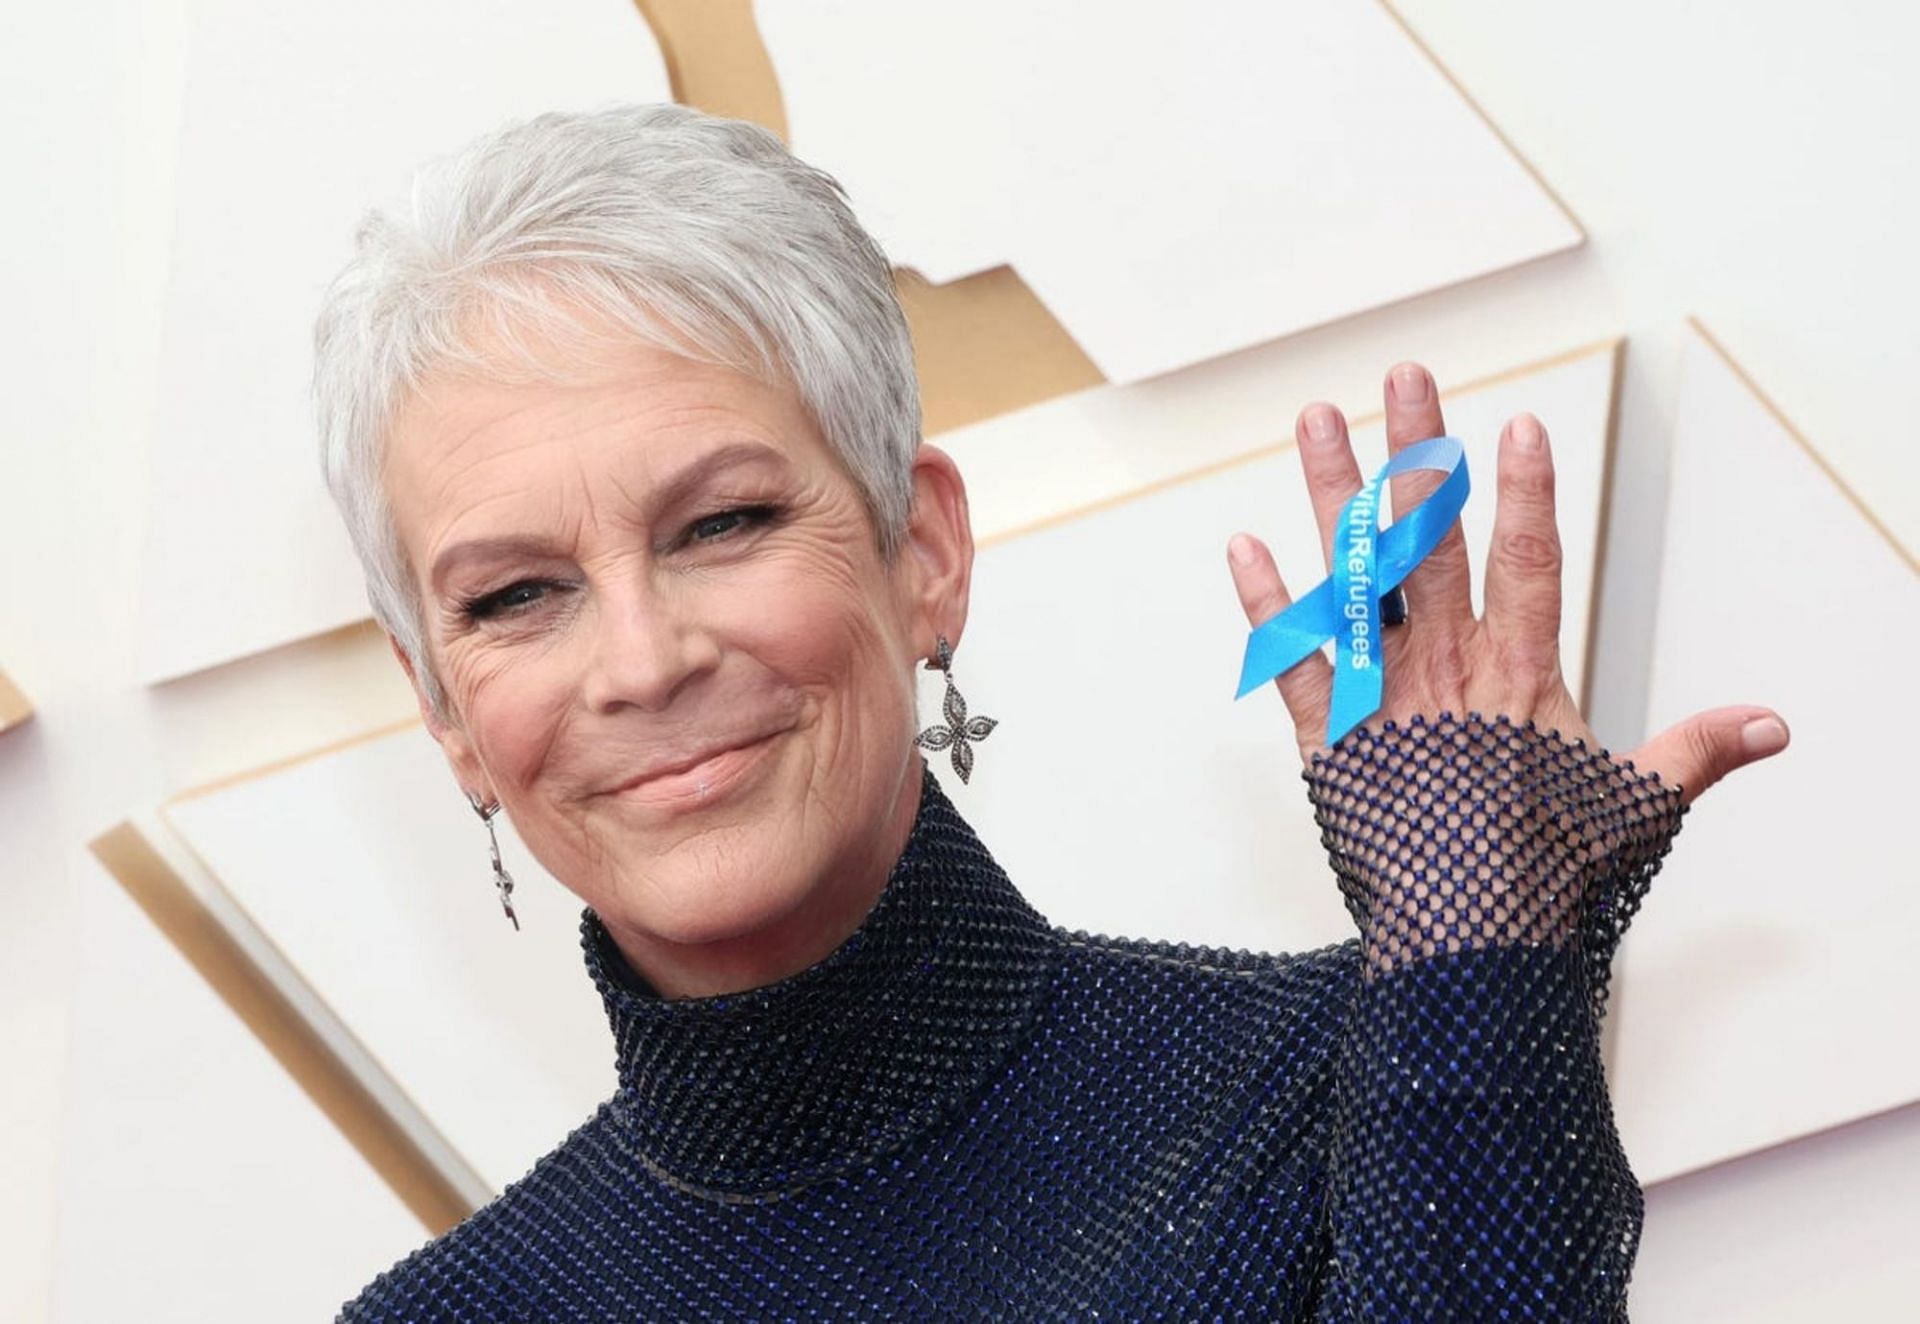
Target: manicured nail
[
  {"x": 1526, "y": 432},
  {"x": 1240, "y": 549},
  {"x": 1763, "y": 735},
  {"x": 1322, "y": 426},
  {"x": 1410, "y": 384}
]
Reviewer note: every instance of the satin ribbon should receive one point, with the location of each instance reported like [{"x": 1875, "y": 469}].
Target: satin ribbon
[{"x": 1368, "y": 564}]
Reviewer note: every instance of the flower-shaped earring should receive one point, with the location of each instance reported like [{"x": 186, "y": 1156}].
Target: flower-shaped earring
[{"x": 960, "y": 731}]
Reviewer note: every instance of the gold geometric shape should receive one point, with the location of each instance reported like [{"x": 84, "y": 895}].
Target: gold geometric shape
[
  {"x": 140, "y": 854},
  {"x": 983, "y": 345},
  {"x": 1197, "y": 259},
  {"x": 715, "y": 59},
  {"x": 15, "y": 707}
]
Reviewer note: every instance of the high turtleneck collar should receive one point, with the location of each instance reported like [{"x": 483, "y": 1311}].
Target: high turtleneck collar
[{"x": 771, "y": 1088}]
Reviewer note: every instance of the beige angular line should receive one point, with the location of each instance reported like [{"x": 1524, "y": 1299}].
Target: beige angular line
[
  {"x": 1813, "y": 452},
  {"x": 1774, "y": 1147},
  {"x": 341, "y": 745},
  {"x": 213, "y": 952},
  {"x": 1603, "y": 522},
  {"x": 1612, "y": 344},
  {"x": 1486, "y": 119}
]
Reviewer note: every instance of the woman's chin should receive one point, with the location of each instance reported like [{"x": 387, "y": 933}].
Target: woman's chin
[{"x": 704, "y": 911}]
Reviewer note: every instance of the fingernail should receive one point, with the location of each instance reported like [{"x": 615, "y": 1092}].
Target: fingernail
[
  {"x": 1240, "y": 549},
  {"x": 1526, "y": 432},
  {"x": 1410, "y": 384},
  {"x": 1321, "y": 424},
  {"x": 1763, "y": 735}
]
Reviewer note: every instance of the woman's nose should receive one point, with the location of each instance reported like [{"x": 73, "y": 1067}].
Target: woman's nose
[{"x": 647, "y": 645}]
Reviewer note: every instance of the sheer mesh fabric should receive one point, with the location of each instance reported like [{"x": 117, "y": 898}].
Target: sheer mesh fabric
[{"x": 1450, "y": 833}]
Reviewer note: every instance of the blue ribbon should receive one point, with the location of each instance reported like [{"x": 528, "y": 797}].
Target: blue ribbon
[{"x": 1368, "y": 564}]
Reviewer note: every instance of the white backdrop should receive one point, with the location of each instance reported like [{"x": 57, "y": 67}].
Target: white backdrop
[{"x": 1778, "y": 210}]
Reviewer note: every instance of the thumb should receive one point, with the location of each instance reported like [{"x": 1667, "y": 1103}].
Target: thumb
[{"x": 1695, "y": 753}]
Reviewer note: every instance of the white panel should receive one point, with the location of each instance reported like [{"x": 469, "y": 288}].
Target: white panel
[
  {"x": 1747, "y": 162},
  {"x": 299, "y": 119},
  {"x": 1109, "y": 647},
  {"x": 1767, "y": 984},
  {"x": 197, "y": 1182},
  {"x": 1822, "y": 1229},
  {"x": 370, "y": 872},
  {"x": 1173, "y": 182},
  {"x": 366, "y": 868},
  {"x": 36, "y": 980}
]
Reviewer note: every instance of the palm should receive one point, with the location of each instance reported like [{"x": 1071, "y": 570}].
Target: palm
[{"x": 1445, "y": 658}]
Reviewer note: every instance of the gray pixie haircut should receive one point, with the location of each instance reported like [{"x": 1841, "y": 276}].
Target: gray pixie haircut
[{"x": 697, "y": 234}]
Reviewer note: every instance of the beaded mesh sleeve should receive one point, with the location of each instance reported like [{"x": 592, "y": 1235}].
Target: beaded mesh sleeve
[{"x": 1492, "y": 868}]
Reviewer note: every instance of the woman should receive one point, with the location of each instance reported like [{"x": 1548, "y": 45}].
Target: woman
[{"x": 624, "y": 424}]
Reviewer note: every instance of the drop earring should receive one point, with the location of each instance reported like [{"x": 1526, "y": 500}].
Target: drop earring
[
  {"x": 960, "y": 731},
  {"x": 501, "y": 878}
]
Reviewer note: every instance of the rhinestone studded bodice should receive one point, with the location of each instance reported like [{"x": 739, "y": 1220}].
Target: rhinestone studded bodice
[{"x": 964, "y": 1113}]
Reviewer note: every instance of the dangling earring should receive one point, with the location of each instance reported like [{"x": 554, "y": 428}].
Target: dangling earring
[
  {"x": 501, "y": 878},
  {"x": 960, "y": 731}
]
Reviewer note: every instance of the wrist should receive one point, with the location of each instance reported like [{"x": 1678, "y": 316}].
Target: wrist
[{"x": 1453, "y": 833}]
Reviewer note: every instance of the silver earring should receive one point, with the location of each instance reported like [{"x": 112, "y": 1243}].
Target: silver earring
[
  {"x": 960, "y": 731},
  {"x": 501, "y": 878}
]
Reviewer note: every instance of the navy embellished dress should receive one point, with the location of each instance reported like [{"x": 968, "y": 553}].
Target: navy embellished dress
[{"x": 964, "y": 1113}]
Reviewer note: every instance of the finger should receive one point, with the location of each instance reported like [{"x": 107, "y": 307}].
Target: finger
[
  {"x": 1696, "y": 753},
  {"x": 1326, "y": 458},
  {"x": 1524, "y": 563},
  {"x": 1307, "y": 686},
  {"x": 1439, "y": 591}
]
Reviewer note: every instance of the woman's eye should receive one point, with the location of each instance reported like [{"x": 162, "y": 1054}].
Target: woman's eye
[
  {"x": 712, "y": 528},
  {"x": 505, "y": 601}
]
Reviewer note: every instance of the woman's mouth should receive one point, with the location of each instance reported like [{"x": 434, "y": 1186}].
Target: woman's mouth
[{"x": 706, "y": 782}]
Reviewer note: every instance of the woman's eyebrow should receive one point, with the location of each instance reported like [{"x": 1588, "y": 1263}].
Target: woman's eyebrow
[
  {"x": 512, "y": 546},
  {"x": 698, "y": 471},
  {"x": 682, "y": 484}
]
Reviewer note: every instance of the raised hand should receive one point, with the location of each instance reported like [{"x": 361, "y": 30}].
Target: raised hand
[{"x": 1444, "y": 658}]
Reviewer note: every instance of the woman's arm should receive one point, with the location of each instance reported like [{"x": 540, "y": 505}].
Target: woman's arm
[
  {"x": 1476, "y": 1172},
  {"x": 1491, "y": 865}
]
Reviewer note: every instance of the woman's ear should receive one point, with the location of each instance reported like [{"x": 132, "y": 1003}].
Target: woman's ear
[
  {"x": 939, "y": 550},
  {"x": 452, "y": 740}
]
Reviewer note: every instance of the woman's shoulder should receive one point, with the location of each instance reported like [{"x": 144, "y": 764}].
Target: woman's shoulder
[
  {"x": 1212, "y": 990},
  {"x": 485, "y": 1267},
  {"x": 1201, "y": 1039},
  {"x": 1169, "y": 959}
]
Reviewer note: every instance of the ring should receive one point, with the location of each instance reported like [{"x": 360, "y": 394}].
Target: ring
[{"x": 1393, "y": 608}]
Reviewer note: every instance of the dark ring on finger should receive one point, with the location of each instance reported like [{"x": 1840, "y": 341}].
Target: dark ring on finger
[{"x": 1393, "y": 608}]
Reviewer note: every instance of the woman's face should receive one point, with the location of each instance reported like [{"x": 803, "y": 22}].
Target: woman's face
[{"x": 670, "y": 648}]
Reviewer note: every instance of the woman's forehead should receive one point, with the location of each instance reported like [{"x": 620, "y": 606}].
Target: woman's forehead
[{"x": 649, "y": 417}]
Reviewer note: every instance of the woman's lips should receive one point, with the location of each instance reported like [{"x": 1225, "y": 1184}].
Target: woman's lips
[{"x": 716, "y": 775}]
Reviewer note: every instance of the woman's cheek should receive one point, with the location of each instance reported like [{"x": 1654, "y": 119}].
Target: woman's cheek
[{"x": 513, "y": 704}]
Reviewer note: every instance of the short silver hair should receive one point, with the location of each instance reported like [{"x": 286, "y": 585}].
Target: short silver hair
[{"x": 694, "y": 233}]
